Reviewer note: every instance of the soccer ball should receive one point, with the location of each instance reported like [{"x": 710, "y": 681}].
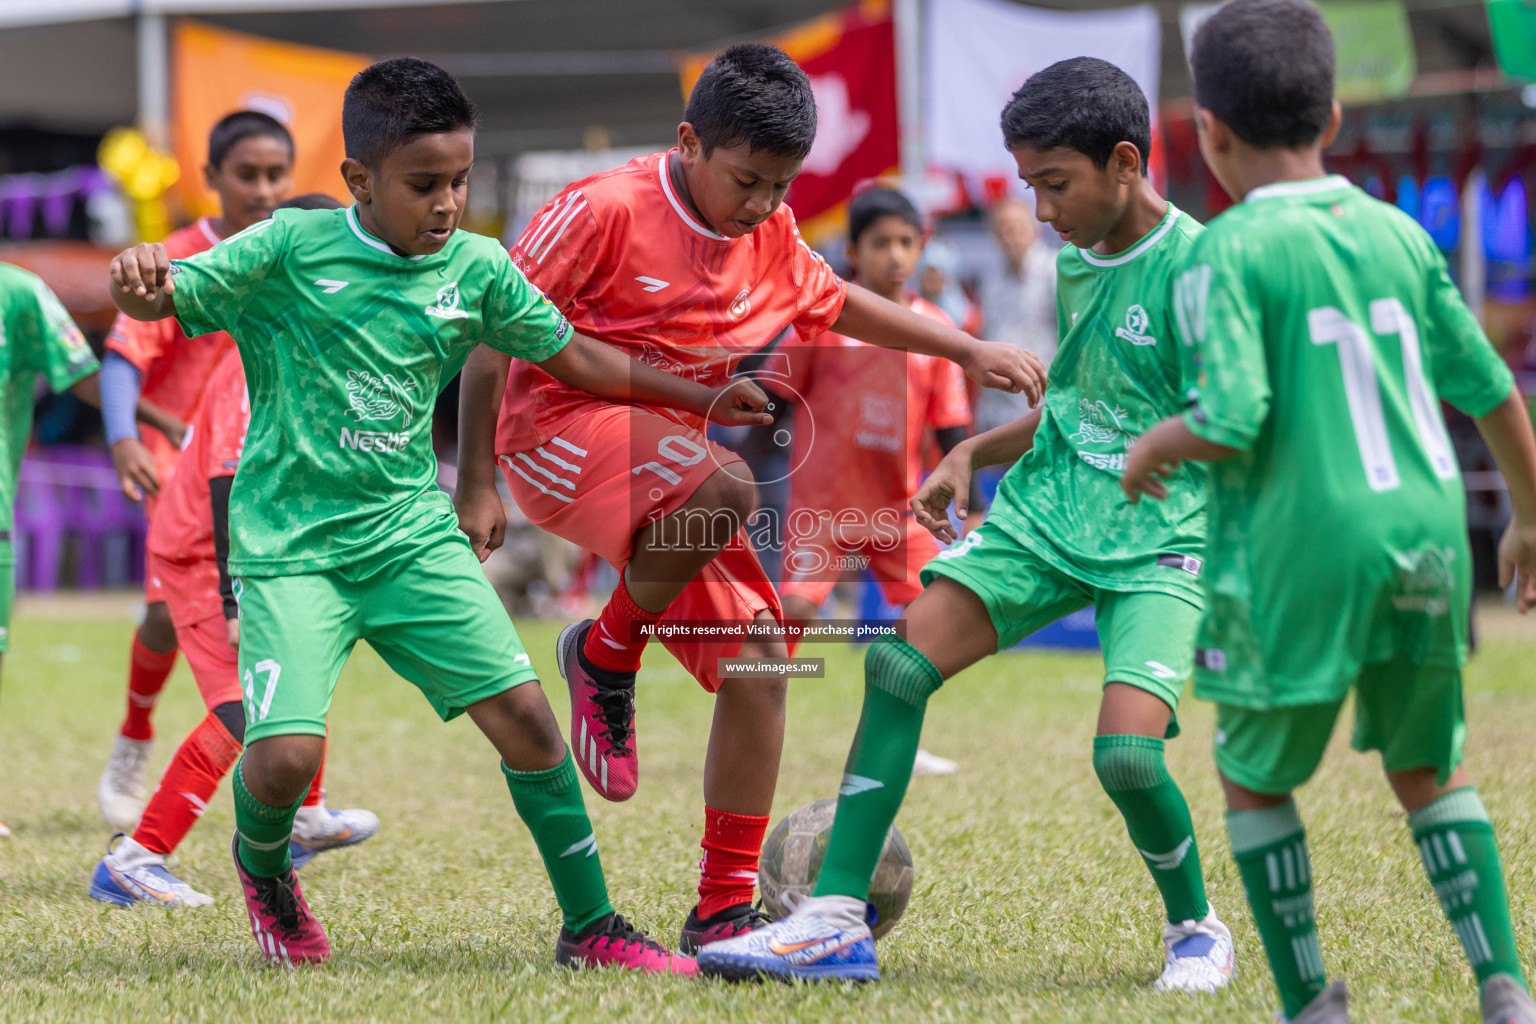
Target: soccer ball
[{"x": 792, "y": 859}]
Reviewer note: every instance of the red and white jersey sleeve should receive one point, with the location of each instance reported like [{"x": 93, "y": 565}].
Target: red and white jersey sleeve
[
  {"x": 174, "y": 369},
  {"x": 620, "y": 255}
]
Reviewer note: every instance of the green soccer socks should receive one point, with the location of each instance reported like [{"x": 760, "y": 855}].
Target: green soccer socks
[
  {"x": 550, "y": 804},
  {"x": 1270, "y": 847},
  {"x": 1132, "y": 772},
  {"x": 1461, "y": 857},
  {"x": 898, "y": 680},
  {"x": 264, "y": 830}
]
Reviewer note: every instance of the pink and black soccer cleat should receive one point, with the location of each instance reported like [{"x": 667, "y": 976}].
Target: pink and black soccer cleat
[
  {"x": 727, "y": 924},
  {"x": 614, "y": 942},
  {"x": 602, "y": 718},
  {"x": 286, "y": 931}
]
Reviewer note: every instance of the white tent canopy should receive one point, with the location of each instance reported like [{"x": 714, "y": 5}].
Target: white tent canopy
[{"x": 16, "y": 13}]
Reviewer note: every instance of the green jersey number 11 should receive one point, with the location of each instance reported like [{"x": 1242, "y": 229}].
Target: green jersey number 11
[{"x": 1329, "y": 326}]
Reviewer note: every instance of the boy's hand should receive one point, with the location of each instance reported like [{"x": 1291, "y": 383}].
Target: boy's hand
[
  {"x": 1145, "y": 471},
  {"x": 1517, "y": 560},
  {"x": 741, "y": 403},
  {"x": 143, "y": 270},
  {"x": 482, "y": 517},
  {"x": 949, "y": 481},
  {"x": 997, "y": 364},
  {"x": 175, "y": 431},
  {"x": 135, "y": 469},
  {"x": 232, "y": 632}
]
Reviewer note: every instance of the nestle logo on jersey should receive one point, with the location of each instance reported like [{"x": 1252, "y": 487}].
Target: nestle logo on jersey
[{"x": 375, "y": 440}]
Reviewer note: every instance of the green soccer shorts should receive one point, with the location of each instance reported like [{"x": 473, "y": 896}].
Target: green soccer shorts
[
  {"x": 1148, "y": 637},
  {"x": 7, "y": 591},
  {"x": 423, "y": 604},
  {"x": 1410, "y": 712}
]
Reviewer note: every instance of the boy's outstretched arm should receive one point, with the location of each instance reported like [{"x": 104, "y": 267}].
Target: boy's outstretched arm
[
  {"x": 141, "y": 282},
  {"x": 606, "y": 372},
  {"x": 1158, "y": 453},
  {"x": 1507, "y": 429},
  {"x": 482, "y": 517},
  {"x": 993, "y": 364},
  {"x": 952, "y": 479}
]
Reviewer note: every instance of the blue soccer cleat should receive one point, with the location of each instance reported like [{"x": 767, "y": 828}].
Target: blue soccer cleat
[
  {"x": 818, "y": 942},
  {"x": 131, "y": 875},
  {"x": 318, "y": 829}
]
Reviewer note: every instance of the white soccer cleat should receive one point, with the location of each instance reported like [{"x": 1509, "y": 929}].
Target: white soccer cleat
[
  {"x": 1330, "y": 1006},
  {"x": 131, "y": 874},
  {"x": 1505, "y": 1001},
  {"x": 5, "y": 831},
  {"x": 317, "y": 829},
  {"x": 823, "y": 939},
  {"x": 1199, "y": 956},
  {"x": 121, "y": 794},
  {"x": 932, "y": 764}
]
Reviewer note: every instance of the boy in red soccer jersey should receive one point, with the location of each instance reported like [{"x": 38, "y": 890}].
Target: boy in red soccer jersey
[
  {"x": 687, "y": 260},
  {"x": 857, "y": 451},
  {"x": 250, "y": 166},
  {"x": 189, "y": 557}
]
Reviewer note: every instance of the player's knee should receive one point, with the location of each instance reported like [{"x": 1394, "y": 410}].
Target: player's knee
[
  {"x": 519, "y": 724},
  {"x": 767, "y": 696},
  {"x": 231, "y": 716},
  {"x": 279, "y": 769},
  {"x": 731, "y": 491},
  {"x": 157, "y": 632}
]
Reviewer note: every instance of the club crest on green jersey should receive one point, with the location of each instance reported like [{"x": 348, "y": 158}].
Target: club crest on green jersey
[
  {"x": 447, "y": 305},
  {"x": 1135, "y": 330}
]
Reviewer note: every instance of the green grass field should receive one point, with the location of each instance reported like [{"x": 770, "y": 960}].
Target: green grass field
[{"x": 1030, "y": 903}]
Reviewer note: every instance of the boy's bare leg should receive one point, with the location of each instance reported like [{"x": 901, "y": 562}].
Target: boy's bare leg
[{"x": 746, "y": 741}]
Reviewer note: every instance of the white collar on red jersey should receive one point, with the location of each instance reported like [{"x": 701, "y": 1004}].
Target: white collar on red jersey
[
  {"x": 682, "y": 211},
  {"x": 206, "y": 224}
]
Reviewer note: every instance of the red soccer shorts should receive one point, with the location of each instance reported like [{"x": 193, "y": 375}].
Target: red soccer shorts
[
  {"x": 609, "y": 472},
  {"x": 192, "y": 595},
  {"x": 815, "y": 561},
  {"x": 154, "y": 592}
]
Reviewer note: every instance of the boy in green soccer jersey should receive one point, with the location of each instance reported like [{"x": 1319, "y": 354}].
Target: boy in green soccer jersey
[
  {"x": 349, "y": 322},
  {"x": 1326, "y": 332},
  {"x": 1060, "y": 537},
  {"x": 37, "y": 337}
]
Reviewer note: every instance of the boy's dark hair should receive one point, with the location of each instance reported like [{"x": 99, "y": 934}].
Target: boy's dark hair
[
  {"x": 870, "y": 205},
  {"x": 1084, "y": 104},
  {"x": 310, "y": 201},
  {"x": 391, "y": 102},
  {"x": 1265, "y": 69},
  {"x": 244, "y": 124},
  {"x": 753, "y": 94}
]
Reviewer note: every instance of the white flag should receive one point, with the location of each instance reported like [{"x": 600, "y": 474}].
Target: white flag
[{"x": 980, "y": 51}]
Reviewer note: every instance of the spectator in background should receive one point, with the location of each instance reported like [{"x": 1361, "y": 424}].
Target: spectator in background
[
  {"x": 1018, "y": 303},
  {"x": 938, "y": 281}
]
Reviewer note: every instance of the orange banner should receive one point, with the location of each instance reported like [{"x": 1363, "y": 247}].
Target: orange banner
[{"x": 216, "y": 72}]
